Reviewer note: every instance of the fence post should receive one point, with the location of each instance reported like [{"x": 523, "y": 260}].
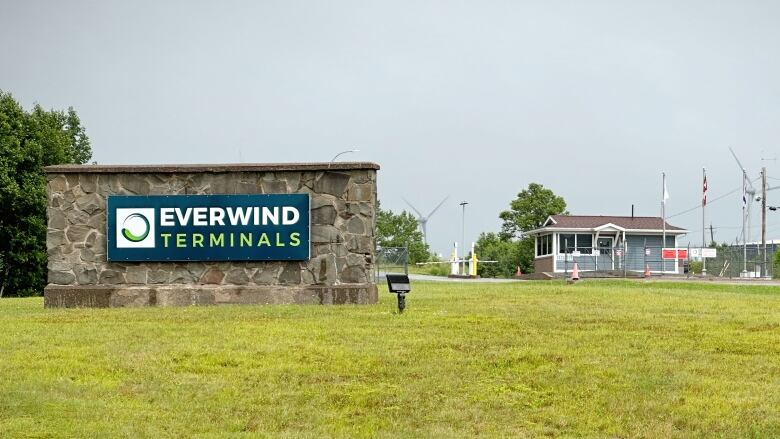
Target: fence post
[
  {"x": 625, "y": 258},
  {"x": 688, "y": 260}
]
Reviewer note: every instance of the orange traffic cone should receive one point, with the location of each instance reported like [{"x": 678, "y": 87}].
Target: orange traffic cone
[
  {"x": 519, "y": 272},
  {"x": 575, "y": 273},
  {"x": 647, "y": 270}
]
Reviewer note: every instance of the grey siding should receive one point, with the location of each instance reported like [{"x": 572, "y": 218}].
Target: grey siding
[{"x": 636, "y": 259}]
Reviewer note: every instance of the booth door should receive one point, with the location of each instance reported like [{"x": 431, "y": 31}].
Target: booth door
[{"x": 606, "y": 258}]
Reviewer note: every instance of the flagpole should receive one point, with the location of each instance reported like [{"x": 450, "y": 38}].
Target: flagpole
[
  {"x": 703, "y": 231},
  {"x": 663, "y": 220}
]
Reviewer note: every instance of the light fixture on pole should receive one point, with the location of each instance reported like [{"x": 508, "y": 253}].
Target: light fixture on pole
[
  {"x": 463, "y": 231},
  {"x": 342, "y": 153}
]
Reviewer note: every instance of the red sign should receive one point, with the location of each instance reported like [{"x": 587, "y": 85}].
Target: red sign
[{"x": 674, "y": 253}]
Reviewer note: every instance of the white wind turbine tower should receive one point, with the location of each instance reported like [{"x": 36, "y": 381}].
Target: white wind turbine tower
[
  {"x": 750, "y": 192},
  {"x": 423, "y": 220}
]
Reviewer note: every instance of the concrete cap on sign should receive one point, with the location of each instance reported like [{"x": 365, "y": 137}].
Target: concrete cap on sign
[{"x": 212, "y": 168}]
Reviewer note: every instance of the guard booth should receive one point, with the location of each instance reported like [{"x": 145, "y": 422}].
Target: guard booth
[{"x": 604, "y": 244}]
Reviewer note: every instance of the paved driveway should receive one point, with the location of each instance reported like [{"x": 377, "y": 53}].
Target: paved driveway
[{"x": 426, "y": 277}]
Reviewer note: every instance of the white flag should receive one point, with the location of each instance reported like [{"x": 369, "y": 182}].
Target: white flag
[{"x": 666, "y": 192}]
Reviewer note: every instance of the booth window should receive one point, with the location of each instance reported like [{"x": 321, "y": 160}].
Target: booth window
[
  {"x": 584, "y": 243},
  {"x": 544, "y": 245},
  {"x": 566, "y": 243}
]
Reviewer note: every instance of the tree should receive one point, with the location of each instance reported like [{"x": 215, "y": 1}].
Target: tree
[
  {"x": 490, "y": 247},
  {"x": 529, "y": 210},
  {"x": 401, "y": 230},
  {"x": 511, "y": 248},
  {"x": 28, "y": 142},
  {"x": 509, "y": 255}
]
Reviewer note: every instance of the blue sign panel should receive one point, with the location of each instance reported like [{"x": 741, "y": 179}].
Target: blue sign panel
[{"x": 270, "y": 227}]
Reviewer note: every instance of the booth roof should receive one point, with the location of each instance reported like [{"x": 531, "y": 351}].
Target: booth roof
[{"x": 594, "y": 221}]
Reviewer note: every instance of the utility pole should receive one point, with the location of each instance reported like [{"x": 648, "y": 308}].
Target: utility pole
[
  {"x": 712, "y": 235},
  {"x": 463, "y": 233},
  {"x": 763, "y": 219}
]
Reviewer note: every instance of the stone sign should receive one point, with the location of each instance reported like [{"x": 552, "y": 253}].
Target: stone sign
[
  {"x": 226, "y": 227},
  {"x": 342, "y": 240}
]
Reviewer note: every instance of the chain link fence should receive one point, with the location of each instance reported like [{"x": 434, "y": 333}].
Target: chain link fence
[
  {"x": 742, "y": 261},
  {"x": 601, "y": 261},
  {"x": 730, "y": 261},
  {"x": 392, "y": 260}
]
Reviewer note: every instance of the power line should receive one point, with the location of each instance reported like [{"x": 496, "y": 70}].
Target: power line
[
  {"x": 709, "y": 201},
  {"x": 773, "y": 226},
  {"x": 717, "y": 228}
]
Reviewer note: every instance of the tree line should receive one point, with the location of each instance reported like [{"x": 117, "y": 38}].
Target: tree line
[{"x": 30, "y": 140}]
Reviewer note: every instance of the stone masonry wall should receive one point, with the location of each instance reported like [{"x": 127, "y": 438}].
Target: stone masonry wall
[{"x": 343, "y": 209}]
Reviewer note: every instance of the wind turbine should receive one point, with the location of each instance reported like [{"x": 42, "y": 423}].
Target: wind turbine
[
  {"x": 423, "y": 220},
  {"x": 750, "y": 192}
]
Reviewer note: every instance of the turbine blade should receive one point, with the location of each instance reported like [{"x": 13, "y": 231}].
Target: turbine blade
[
  {"x": 733, "y": 154},
  {"x": 438, "y": 206},
  {"x": 741, "y": 167},
  {"x": 413, "y": 208}
]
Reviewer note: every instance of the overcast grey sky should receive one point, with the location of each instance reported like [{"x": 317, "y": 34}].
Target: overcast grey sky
[{"x": 593, "y": 99}]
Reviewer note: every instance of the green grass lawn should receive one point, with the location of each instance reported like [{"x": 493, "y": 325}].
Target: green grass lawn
[{"x": 596, "y": 359}]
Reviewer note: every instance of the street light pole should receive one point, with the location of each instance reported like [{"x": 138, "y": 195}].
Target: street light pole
[{"x": 463, "y": 232}]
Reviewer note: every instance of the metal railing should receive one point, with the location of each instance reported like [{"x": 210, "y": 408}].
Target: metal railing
[{"x": 610, "y": 260}]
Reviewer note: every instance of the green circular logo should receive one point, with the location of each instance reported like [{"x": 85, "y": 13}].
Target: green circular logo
[{"x": 129, "y": 235}]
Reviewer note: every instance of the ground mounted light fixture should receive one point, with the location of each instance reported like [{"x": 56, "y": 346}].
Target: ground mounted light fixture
[{"x": 399, "y": 284}]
